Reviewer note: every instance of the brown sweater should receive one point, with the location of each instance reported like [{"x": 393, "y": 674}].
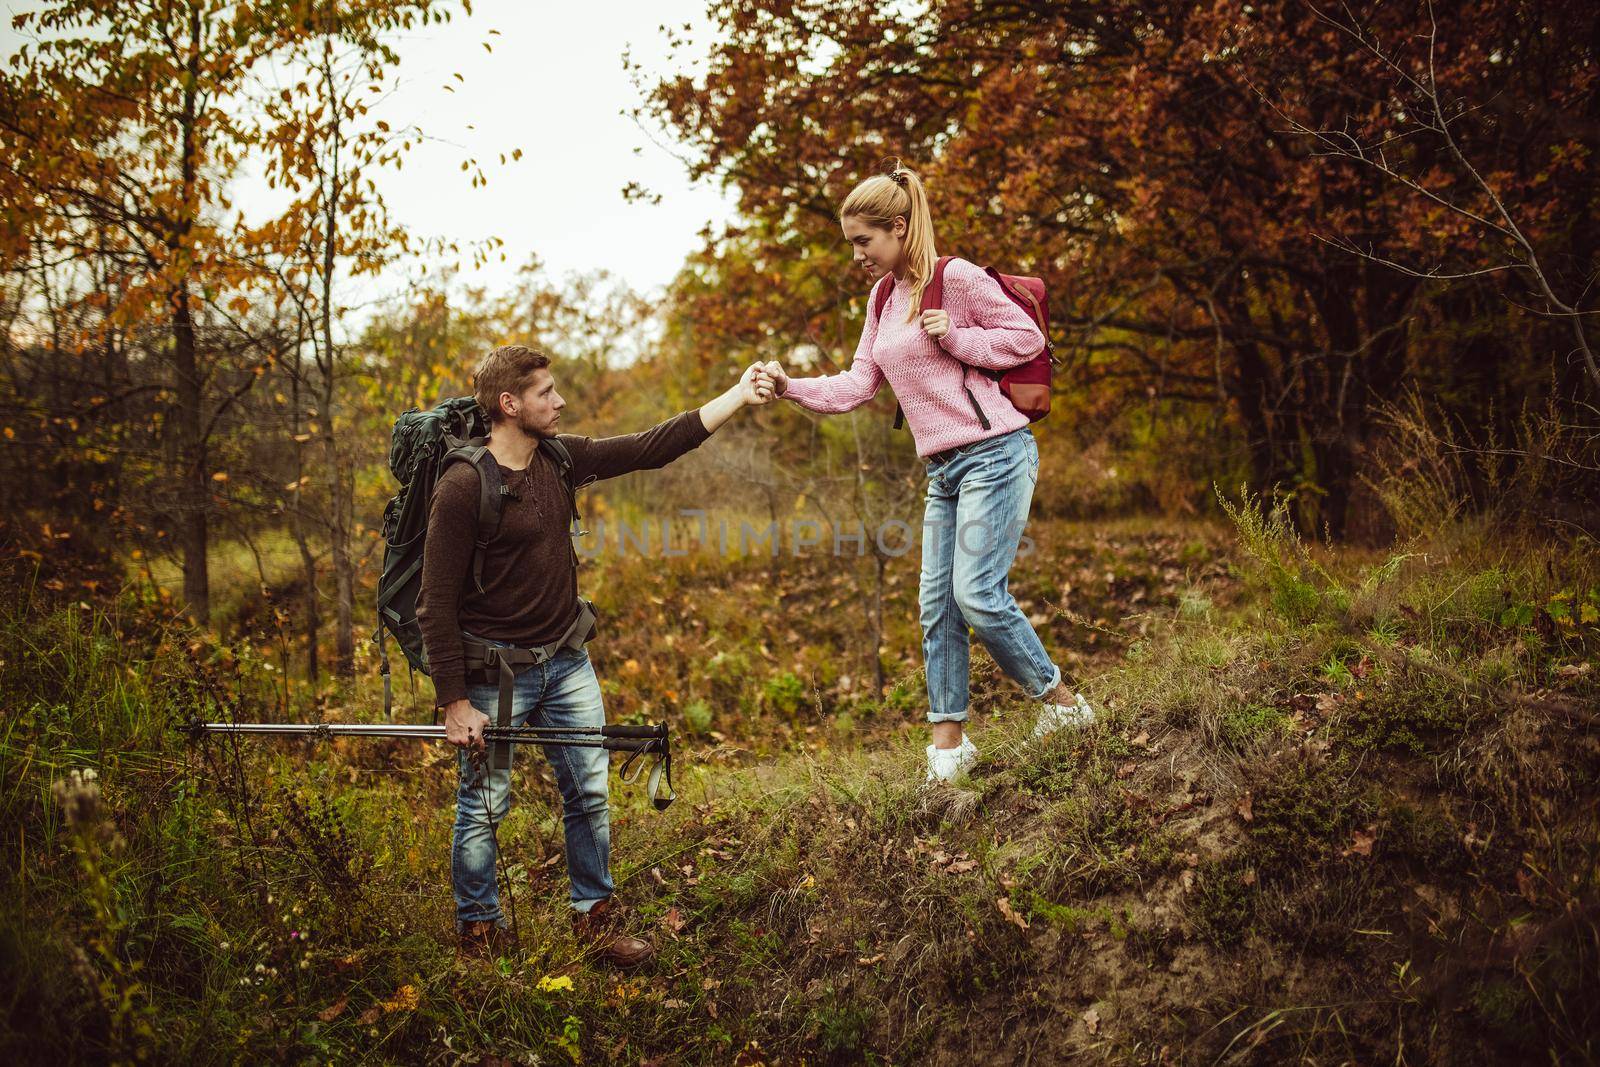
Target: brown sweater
[{"x": 530, "y": 582}]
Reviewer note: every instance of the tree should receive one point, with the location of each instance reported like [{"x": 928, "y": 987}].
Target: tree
[
  {"x": 1123, "y": 151},
  {"x": 118, "y": 126},
  {"x": 324, "y": 146}
]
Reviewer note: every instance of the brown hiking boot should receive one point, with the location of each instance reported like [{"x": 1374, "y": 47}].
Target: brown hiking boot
[
  {"x": 600, "y": 927},
  {"x": 483, "y": 940}
]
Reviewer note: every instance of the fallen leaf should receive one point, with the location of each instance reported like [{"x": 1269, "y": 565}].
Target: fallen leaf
[
  {"x": 370, "y": 1016},
  {"x": 870, "y": 961},
  {"x": 673, "y": 920},
  {"x": 1142, "y": 740},
  {"x": 1245, "y": 807},
  {"x": 674, "y": 1003},
  {"x": 1361, "y": 841},
  {"x": 1186, "y": 878},
  {"x": 555, "y": 983},
  {"x": 1248, "y": 877},
  {"x": 1004, "y": 904},
  {"x": 1127, "y": 769},
  {"x": 1091, "y": 1021},
  {"x": 405, "y": 999},
  {"x": 331, "y": 1012},
  {"x": 962, "y": 866}
]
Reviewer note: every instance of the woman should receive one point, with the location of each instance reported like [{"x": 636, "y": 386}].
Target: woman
[{"x": 980, "y": 481}]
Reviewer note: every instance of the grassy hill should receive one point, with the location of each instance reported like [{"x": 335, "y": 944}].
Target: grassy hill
[{"x": 1341, "y": 806}]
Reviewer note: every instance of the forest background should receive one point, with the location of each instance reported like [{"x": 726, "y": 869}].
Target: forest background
[{"x": 1324, "y": 277}]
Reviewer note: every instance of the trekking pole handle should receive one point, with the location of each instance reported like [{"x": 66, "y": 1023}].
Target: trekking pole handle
[{"x": 656, "y": 730}]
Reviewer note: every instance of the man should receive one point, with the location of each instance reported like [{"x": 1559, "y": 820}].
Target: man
[{"x": 526, "y": 595}]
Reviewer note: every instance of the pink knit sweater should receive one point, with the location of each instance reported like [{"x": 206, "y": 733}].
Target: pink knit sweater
[{"x": 986, "y": 330}]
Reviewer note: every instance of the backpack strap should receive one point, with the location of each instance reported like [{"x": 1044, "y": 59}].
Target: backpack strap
[
  {"x": 933, "y": 292},
  {"x": 492, "y": 493},
  {"x": 880, "y": 296},
  {"x": 933, "y": 300},
  {"x": 558, "y": 451}
]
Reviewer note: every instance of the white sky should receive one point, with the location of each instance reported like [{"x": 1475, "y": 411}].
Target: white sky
[{"x": 555, "y": 87}]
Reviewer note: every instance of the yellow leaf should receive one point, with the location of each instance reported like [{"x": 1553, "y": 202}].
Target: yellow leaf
[
  {"x": 220, "y": 476},
  {"x": 405, "y": 999},
  {"x": 549, "y": 984}
]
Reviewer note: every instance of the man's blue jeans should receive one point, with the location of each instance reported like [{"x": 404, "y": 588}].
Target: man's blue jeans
[
  {"x": 977, "y": 506},
  {"x": 561, "y": 692}
]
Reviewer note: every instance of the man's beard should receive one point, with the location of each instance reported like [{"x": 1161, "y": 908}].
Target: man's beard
[{"x": 526, "y": 424}]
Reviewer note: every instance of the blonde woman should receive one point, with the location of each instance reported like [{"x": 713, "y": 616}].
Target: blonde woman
[{"x": 983, "y": 462}]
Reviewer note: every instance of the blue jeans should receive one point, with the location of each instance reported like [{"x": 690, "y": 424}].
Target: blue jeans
[
  {"x": 977, "y": 506},
  {"x": 561, "y": 692}
]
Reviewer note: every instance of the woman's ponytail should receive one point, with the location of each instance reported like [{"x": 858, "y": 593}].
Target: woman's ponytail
[{"x": 899, "y": 192}]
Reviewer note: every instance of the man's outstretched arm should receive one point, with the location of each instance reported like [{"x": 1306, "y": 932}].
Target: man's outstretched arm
[{"x": 597, "y": 458}]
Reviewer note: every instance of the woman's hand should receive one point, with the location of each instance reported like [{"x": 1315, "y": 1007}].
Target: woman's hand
[
  {"x": 755, "y": 388},
  {"x": 772, "y": 371},
  {"x": 936, "y": 323}
]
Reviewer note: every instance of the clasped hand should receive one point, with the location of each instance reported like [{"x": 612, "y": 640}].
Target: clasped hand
[{"x": 768, "y": 380}]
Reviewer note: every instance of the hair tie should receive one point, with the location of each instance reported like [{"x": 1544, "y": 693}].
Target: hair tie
[{"x": 892, "y": 170}]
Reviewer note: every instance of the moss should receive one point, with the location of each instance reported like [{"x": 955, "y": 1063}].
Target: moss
[
  {"x": 1240, "y": 726},
  {"x": 1503, "y": 1006},
  {"x": 1415, "y": 712},
  {"x": 1301, "y": 809},
  {"x": 1431, "y": 840},
  {"x": 783, "y": 693},
  {"x": 1221, "y": 906},
  {"x": 841, "y": 1025}
]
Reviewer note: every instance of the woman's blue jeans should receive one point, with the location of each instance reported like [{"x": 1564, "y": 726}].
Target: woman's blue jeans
[
  {"x": 560, "y": 692},
  {"x": 977, "y": 506}
]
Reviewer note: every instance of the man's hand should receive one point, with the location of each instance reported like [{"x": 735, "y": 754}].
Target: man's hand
[
  {"x": 464, "y": 724},
  {"x": 755, "y": 388},
  {"x": 936, "y": 323},
  {"x": 772, "y": 371}
]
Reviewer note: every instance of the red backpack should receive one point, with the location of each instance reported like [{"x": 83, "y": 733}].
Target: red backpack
[{"x": 1026, "y": 385}]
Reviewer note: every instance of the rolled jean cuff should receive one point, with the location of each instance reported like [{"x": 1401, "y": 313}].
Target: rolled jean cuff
[
  {"x": 1054, "y": 681},
  {"x": 583, "y": 906},
  {"x": 947, "y": 716}
]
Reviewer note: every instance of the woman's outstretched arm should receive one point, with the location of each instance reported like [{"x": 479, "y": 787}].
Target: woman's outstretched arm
[{"x": 833, "y": 394}]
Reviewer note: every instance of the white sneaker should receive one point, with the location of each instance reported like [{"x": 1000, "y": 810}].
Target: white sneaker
[
  {"x": 945, "y": 763},
  {"x": 1053, "y": 717}
]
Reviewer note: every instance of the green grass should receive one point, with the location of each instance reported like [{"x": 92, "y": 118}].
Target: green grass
[{"x": 1383, "y": 791}]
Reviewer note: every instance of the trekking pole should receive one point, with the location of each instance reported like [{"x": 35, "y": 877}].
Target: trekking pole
[{"x": 636, "y": 740}]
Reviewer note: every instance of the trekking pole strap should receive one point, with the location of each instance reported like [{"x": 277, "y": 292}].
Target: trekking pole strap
[{"x": 648, "y": 739}]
